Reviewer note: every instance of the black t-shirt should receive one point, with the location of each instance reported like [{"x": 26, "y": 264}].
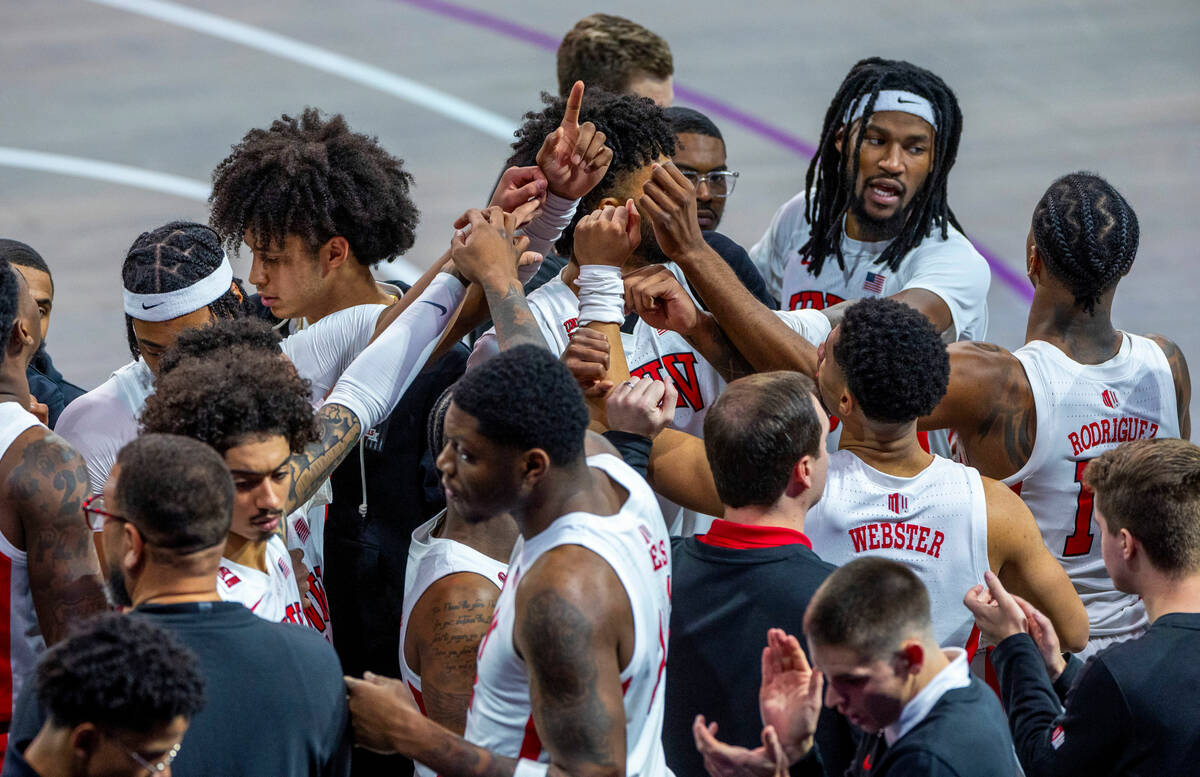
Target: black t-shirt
[
  {"x": 275, "y": 701},
  {"x": 1134, "y": 708},
  {"x": 723, "y": 601}
]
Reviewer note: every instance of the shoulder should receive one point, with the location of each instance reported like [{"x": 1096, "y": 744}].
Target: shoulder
[
  {"x": 953, "y": 253},
  {"x": 1174, "y": 356},
  {"x": 39, "y": 454},
  {"x": 973, "y": 358},
  {"x": 459, "y": 586}
]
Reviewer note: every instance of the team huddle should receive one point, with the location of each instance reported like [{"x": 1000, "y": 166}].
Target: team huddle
[{"x": 604, "y": 492}]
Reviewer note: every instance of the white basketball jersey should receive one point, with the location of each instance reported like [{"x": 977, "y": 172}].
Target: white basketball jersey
[
  {"x": 430, "y": 559},
  {"x": 934, "y": 523},
  {"x": 306, "y": 533},
  {"x": 24, "y": 641},
  {"x": 656, "y": 353},
  {"x": 635, "y": 545},
  {"x": 1084, "y": 410},
  {"x": 271, "y": 595}
]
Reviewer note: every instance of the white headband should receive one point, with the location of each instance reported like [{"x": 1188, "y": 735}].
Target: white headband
[
  {"x": 173, "y": 304},
  {"x": 895, "y": 100}
]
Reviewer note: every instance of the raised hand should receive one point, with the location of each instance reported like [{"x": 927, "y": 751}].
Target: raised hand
[
  {"x": 608, "y": 235},
  {"x": 587, "y": 359},
  {"x": 641, "y": 405},
  {"x": 485, "y": 250},
  {"x": 789, "y": 698},
  {"x": 1044, "y": 636},
  {"x": 669, "y": 202},
  {"x": 573, "y": 157},
  {"x": 659, "y": 299},
  {"x": 996, "y": 612},
  {"x": 518, "y": 186}
]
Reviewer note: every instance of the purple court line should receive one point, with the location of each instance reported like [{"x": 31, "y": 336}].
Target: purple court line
[{"x": 711, "y": 105}]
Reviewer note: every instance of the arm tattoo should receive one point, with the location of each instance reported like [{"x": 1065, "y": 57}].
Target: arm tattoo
[
  {"x": 340, "y": 430},
  {"x": 514, "y": 321},
  {"x": 458, "y": 627},
  {"x": 718, "y": 350},
  {"x": 47, "y": 489},
  {"x": 1008, "y": 426},
  {"x": 1183, "y": 383},
  {"x": 564, "y": 681}
]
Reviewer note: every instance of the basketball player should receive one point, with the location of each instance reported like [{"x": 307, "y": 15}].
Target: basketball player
[
  {"x": 570, "y": 672},
  {"x": 875, "y": 203},
  {"x": 46, "y": 554},
  {"x": 457, "y": 564},
  {"x": 617, "y": 55},
  {"x": 879, "y": 371}
]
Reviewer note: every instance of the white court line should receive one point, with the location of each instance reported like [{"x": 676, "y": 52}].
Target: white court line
[
  {"x": 322, "y": 59},
  {"x": 141, "y": 178}
]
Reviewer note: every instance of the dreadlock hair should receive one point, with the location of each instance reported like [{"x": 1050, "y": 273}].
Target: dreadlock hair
[
  {"x": 10, "y": 302},
  {"x": 1087, "y": 234},
  {"x": 634, "y": 128},
  {"x": 311, "y": 176},
  {"x": 826, "y": 197},
  {"x": 173, "y": 257}
]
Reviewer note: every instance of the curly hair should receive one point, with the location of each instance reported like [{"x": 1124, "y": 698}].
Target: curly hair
[
  {"x": 173, "y": 257},
  {"x": 609, "y": 52},
  {"x": 826, "y": 194},
  {"x": 220, "y": 336},
  {"x": 524, "y": 398},
  {"x": 1087, "y": 233},
  {"x": 895, "y": 363},
  {"x": 177, "y": 491},
  {"x": 119, "y": 671},
  {"x": 229, "y": 396},
  {"x": 634, "y": 128},
  {"x": 312, "y": 176}
]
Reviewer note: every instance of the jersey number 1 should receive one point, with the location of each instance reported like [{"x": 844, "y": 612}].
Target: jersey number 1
[{"x": 1080, "y": 541}]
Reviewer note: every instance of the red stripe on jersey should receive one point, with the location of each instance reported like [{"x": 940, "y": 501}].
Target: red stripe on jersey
[
  {"x": 972, "y": 644},
  {"x": 923, "y": 441},
  {"x": 1016, "y": 488},
  {"x": 419, "y": 699},
  {"x": 6, "y": 678},
  {"x": 531, "y": 745},
  {"x": 989, "y": 674},
  {"x": 625, "y": 685}
]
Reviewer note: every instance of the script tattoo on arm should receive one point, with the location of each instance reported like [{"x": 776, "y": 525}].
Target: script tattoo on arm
[
  {"x": 340, "y": 430},
  {"x": 47, "y": 489},
  {"x": 514, "y": 321},
  {"x": 456, "y": 625}
]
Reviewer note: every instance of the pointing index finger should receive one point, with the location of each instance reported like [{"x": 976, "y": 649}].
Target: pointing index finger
[{"x": 574, "y": 103}]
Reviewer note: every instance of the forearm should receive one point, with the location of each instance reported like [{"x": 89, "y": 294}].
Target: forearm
[
  {"x": 753, "y": 329},
  {"x": 679, "y": 470},
  {"x": 552, "y": 218},
  {"x": 511, "y": 316},
  {"x": 714, "y": 345}
]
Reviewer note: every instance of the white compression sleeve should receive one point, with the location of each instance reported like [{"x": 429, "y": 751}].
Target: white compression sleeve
[
  {"x": 552, "y": 218},
  {"x": 323, "y": 350},
  {"x": 374, "y": 382}
]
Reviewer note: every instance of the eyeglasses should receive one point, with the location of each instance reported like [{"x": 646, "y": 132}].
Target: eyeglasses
[
  {"x": 720, "y": 182},
  {"x": 152, "y": 768},
  {"x": 94, "y": 513}
]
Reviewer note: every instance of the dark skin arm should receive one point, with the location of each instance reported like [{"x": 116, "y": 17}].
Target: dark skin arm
[
  {"x": 989, "y": 403},
  {"x": 1183, "y": 383},
  {"x": 575, "y": 633},
  {"x": 46, "y": 489},
  {"x": 445, "y": 628},
  {"x": 669, "y": 202}
]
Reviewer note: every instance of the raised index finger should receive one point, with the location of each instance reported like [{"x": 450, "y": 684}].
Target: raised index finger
[{"x": 574, "y": 103}]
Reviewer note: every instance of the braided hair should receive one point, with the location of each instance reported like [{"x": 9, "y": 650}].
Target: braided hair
[
  {"x": 1087, "y": 234},
  {"x": 312, "y": 176},
  {"x": 171, "y": 258},
  {"x": 826, "y": 193}
]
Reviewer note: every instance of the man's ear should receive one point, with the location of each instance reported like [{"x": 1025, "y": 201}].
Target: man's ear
[
  {"x": 20, "y": 338},
  {"x": 613, "y": 201},
  {"x": 135, "y": 548},
  {"x": 334, "y": 253},
  {"x": 911, "y": 658},
  {"x": 534, "y": 464},
  {"x": 85, "y": 741},
  {"x": 1034, "y": 264},
  {"x": 1131, "y": 547},
  {"x": 839, "y": 138},
  {"x": 801, "y": 479}
]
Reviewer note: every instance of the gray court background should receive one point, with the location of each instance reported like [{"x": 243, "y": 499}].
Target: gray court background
[{"x": 1045, "y": 88}]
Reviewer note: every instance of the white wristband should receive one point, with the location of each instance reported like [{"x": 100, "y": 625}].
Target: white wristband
[
  {"x": 552, "y": 218},
  {"x": 527, "y": 768},
  {"x": 601, "y": 295}
]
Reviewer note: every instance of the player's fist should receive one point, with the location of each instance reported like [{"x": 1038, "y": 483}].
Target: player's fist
[
  {"x": 669, "y": 203},
  {"x": 574, "y": 158},
  {"x": 641, "y": 405},
  {"x": 608, "y": 235},
  {"x": 659, "y": 299},
  {"x": 587, "y": 359},
  {"x": 518, "y": 186},
  {"x": 486, "y": 250}
]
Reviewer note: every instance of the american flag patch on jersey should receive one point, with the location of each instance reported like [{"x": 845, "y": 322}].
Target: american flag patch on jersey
[
  {"x": 874, "y": 282},
  {"x": 284, "y": 567},
  {"x": 1057, "y": 737},
  {"x": 301, "y": 527}
]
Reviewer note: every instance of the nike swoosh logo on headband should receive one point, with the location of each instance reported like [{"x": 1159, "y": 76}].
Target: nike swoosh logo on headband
[
  {"x": 439, "y": 307},
  {"x": 907, "y": 102},
  {"x": 147, "y": 307}
]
